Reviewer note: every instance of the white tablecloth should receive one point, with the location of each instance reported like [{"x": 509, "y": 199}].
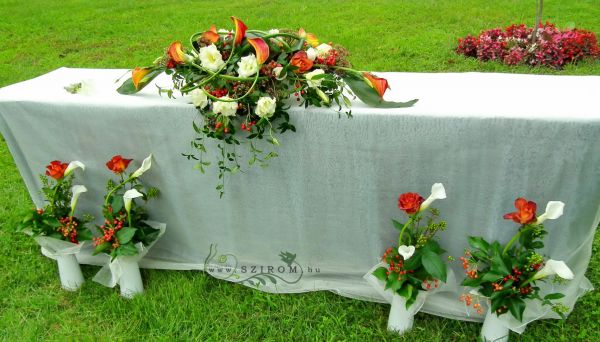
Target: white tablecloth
[{"x": 330, "y": 195}]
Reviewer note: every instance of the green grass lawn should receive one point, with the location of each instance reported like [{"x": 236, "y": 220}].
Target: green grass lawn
[{"x": 417, "y": 35}]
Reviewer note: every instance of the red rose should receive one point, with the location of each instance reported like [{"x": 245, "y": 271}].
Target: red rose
[
  {"x": 525, "y": 211},
  {"x": 300, "y": 60},
  {"x": 56, "y": 169},
  {"x": 410, "y": 202},
  {"x": 118, "y": 164}
]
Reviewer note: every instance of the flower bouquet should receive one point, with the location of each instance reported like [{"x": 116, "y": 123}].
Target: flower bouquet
[
  {"x": 55, "y": 227},
  {"x": 241, "y": 80},
  {"x": 126, "y": 233},
  {"x": 507, "y": 276},
  {"x": 416, "y": 265}
]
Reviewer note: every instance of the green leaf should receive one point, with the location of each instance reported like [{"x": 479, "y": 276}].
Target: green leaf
[
  {"x": 434, "y": 265},
  {"x": 414, "y": 262},
  {"x": 380, "y": 273},
  {"x": 125, "y": 234},
  {"x": 117, "y": 203},
  {"x": 127, "y": 88},
  {"x": 369, "y": 96},
  {"x": 516, "y": 307},
  {"x": 127, "y": 249},
  {"x": 84, "y": 234},
  {"x": 406, "y": 291},
  {"x": 102, "y": 247},
  {"x": 554, "y": 296},
  {"x": 492, "y": 276},
  {"x": 479, "y": 243},
  {"x": 397, "y": 224}
]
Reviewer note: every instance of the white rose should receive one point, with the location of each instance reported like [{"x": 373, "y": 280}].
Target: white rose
[
  {"x": 314, "y": 83},
  {"x": 265, "y": 107},
  {"x": 199, "y": 98},
  {"x": 210, "y": 58},
  {"x": 225, "y": 108},
  {"x": 323, "y": 50},
  {"x": 311, "y": 54},
  {"x": 247, "y": 66}
]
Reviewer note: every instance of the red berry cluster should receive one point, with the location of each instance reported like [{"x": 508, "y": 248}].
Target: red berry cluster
[
  {"x": 68, "y": 228},
  {"x": 467, "y": 299},
  {"x": 109, "y": 229},
  {"x": 427, "y": 284},
  {"x": 248, "y": 127},
  {"x": 331, "y": 59},
  {"x": 216, "y": 92},
  {"x": 396, "y": 263},
  {"x": 469, "y": 271},
  {"x": 298, "y": 94}
]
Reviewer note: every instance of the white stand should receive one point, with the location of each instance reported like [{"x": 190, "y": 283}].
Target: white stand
[
  {"x": 71, "y": 278},
  {"x": 130, "y": 281},
  {"x": 400, "y": 319},
  {"x": 493, "y": 329}
]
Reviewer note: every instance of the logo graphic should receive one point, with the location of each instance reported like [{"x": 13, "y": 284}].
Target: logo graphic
[{"x": 227, "y": 267}]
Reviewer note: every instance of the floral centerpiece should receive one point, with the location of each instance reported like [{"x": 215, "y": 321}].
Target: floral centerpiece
[
  {"x": 416, "y": 264},
  {"x": 516, "y": 44},
  {"x": 508, "y": 275},
  {"x": 55, "y": 226},
  {"x": 126, "y": 233},
  {"x": 241, "y": 80}
]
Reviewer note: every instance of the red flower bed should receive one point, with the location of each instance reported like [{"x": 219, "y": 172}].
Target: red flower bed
[{"x": 513, "y": 45}]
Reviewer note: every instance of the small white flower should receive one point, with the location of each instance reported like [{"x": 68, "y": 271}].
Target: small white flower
[
  {"x": 277, "y": 73},
  {"x": 77, "y": 190},
  {"x": 225, "y": 108},
  {"x": 210, "y": 58},
  {"x": 555, "y": 267},
  {"x": 199, "y": 98},
  {"x": 406, "y": 251},
  {"x": 314, "y": 83},
  {"x": 74, "y": 165},
  {"x": 437, "y": 192},
  {"x": 311, "y": 54},
  {"x": 273, "y": 31},
  {"x": 247, "y": 66},
  {"x": 128, "y": 197},
  {"x": 323, "y": 50},
  {"x": 188, "y": 58},
  {"x": 265, "y": 107},
  {"x": 554, "y": 210},
  {"x": 146, "y": 164}
]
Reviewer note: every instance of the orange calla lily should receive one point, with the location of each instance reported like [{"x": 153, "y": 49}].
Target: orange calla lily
[
  {"x": 261, "y": 48},
  {"x": 240, "y": 30},
  {"x": 138, "y": 74},
  {"x": 176, "y": 52},
  {"x": 211, "y": 35},
  {"x": 379, "y": 84},
  {"x": 309, "y": 37}
]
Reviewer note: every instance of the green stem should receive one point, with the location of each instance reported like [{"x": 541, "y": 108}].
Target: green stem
[
  {"x": 403, "y": 229},
  {"x": 111, "y": 192},
  {"x": 514, "y": 238}
]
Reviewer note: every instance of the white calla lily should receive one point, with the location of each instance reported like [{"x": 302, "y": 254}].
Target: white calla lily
[
  {"x": 406, "y": 251},
  {"x": 128, "y": 197},
  {"x": 554, "y": 210},
  {"x": 74, "y": 165},
  {"x": 77, "y": 190},
  {"x": 437, "y": 192},
  {"x": 146, "y": 164},
  {"x": 553, "y": 267}
]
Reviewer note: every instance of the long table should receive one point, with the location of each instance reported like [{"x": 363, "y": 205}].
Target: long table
[{"x": 319, "y": 216}]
